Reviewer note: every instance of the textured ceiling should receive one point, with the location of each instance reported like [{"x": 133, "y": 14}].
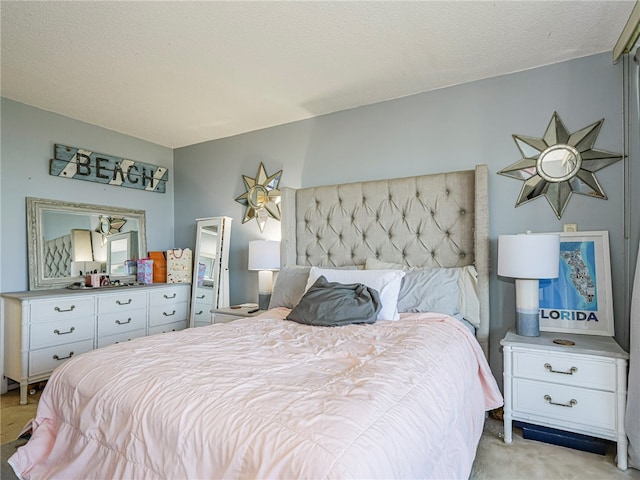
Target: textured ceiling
[{"x": 179, "y": 73}]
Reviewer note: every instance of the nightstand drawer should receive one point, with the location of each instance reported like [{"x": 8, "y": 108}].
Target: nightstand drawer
[
  {"x": 552, "y": 401},
  {"x": 574, "y": 370},
  {"x": 223, "y": 318}
]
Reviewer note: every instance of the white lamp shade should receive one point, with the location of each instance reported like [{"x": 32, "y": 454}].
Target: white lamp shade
[
  {"x": 529, "y": 255},
  {"x": 264, "y": 255}
]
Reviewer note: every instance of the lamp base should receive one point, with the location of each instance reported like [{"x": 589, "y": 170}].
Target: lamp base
[
  {"x": 263, "y": 300},
  {"x": 528, "y": 324},
  {"x": 527, "y": 321}
]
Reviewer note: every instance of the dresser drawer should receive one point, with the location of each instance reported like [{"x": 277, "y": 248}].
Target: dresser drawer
[
  {"x": 553, "y": 401},
  {"x": 161, "y": 314},
  {"x": 169, "y": 327},
  {"x": 47, "y": 359},
  {"x": 121, "y": 301},
  {"x": 202, "y": 313},
  {"x": 66, "y": 330},
  {"x": 204, "y": 295},
  {"x": 112, "y": 323},
  {"x": 164, "y": 296},
  {"x": 120, "y": 337},
  {"x": 62, "y": 307},
  {"x": 575, "y": 370}
]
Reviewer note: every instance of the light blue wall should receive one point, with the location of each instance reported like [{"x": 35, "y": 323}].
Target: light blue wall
[
  {"x": 28, "y": 138},
  {"x": 448, "y": 129}
]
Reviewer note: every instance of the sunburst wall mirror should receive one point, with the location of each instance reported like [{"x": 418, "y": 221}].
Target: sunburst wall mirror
[
  {"x": 262, "y": 198},
  {"x": 560, "y": 164}
]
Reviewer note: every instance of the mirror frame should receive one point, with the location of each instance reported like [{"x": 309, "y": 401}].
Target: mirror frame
[
  {"x": 220, "y": 287},
  {"x": 35, "y": 236}
]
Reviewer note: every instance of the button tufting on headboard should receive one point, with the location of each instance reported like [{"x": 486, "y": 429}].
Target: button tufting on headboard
[{"x": 428, "y": 220}]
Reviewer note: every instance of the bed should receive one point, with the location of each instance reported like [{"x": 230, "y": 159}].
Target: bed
[{"x": 267, "y": 397}]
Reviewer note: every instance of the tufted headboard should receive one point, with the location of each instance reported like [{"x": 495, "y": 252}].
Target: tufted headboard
[
  {"x": 57, "y": 257},
  {"x": 439, "y": 220}
]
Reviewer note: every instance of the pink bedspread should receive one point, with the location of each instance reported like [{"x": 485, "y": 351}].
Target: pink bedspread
[{"x": 268, "y": 398}]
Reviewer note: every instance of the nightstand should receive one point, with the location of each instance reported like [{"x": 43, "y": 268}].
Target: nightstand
[
  {"x": 229, "y": 314},
  {"x": 580, "y": 388}
]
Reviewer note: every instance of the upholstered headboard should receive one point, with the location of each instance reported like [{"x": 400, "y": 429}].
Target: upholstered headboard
[
  {"x": 439, "y": 220},
  {"x": 57, "y": 257}
]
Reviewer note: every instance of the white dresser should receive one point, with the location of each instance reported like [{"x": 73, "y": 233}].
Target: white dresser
[
  {"x": 579, "y": 388},
  {"x": 44, "y": 328}
]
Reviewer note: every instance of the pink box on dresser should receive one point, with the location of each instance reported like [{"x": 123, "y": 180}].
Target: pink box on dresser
[{"x": 145, "y": 270}]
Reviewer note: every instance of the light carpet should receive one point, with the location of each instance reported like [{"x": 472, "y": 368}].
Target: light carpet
[{"x": 530, "y": 459}]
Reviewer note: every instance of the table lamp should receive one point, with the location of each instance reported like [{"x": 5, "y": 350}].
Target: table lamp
[
  {"x": 527, "y": 258},
  {"x": 264, "y": 256}
]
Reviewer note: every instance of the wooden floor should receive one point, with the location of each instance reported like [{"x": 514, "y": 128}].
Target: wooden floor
[{"x": 14, "y": 416}]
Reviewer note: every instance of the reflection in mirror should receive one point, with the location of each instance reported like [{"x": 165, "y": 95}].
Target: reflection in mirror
[
  {"x": 66, "y": 240},
  {"x": 258, "y": 196},
  {"x": 211, "y": 272},
  {"x": 559, "y": 163},
  {"x": 120, "y": 248}
]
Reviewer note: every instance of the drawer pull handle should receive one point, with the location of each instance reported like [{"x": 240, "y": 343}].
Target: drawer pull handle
[
  {"x": 56, "y": 357},
  {"x": 169, "y": 297},
  {"x": 123, "y": 323},
  {"x": 58, "y": 309},
  {"x": 200, "y": 297},
  {"x": 200, "y": 312},
  {"x": 123, "y": 303},
  {"x": 571, "y": 403},
  {"x": 169, "y": 314},
  {"x": 571, "y": 371},
  {"x": 58, "y": 332}
]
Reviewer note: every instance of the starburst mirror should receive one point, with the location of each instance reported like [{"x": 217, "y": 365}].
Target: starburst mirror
[
  {"x": 560, "y": 164},
  {"x": 262, "y": 198}
]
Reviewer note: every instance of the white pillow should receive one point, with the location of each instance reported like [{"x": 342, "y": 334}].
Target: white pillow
[{"x": 385, "y": 282}]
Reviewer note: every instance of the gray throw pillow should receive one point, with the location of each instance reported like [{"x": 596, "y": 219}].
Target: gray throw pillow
[
  {"x": 430, "y": 290},
  {"x": 333, "y": 304},
  {"x": 289, "y": 287}
]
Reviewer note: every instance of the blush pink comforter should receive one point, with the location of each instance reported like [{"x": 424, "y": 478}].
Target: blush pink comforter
[{"x": 268, "y": 398}]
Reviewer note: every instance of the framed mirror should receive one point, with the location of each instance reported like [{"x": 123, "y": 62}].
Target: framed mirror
[
  {"x": 210, "y": 285},
  {"x": 560, "y": 164},
  {"x": 67, "y": 240}
]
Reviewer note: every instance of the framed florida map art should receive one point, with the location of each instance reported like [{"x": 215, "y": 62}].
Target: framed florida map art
[{"x": 580, "y": 299}]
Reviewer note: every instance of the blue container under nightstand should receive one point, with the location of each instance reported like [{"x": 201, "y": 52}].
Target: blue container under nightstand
[{"x": 562, "y": 438}]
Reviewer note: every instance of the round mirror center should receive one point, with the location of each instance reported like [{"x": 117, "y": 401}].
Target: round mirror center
[
  {"x": 559, "y": 163},
  {"x": 258, "y": 196}
]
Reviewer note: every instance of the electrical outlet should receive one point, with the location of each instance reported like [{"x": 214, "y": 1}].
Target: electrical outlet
[{"x": 570, "y": 227}]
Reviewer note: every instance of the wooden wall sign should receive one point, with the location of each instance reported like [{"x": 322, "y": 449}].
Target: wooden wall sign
[{"x": 82, "y": 164}]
